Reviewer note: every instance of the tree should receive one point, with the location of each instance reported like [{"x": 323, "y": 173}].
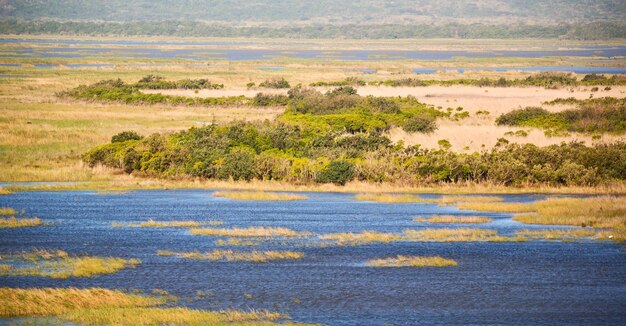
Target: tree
[{"x": 338, "y": 172}]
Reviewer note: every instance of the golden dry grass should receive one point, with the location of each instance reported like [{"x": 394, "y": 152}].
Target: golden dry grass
[
  {"x": 257, "y": 232},
  {"x": 237, "y": 242},
  {"x": 13, "y": 222},
  {"x": 56, "y": 301},
  {"x": 5, "y": 191},
  {"x": 391, "y": 198},
  {"x": 171, "y": 316},
  {"x": 59, "y": 265},
  {"x": 258, "y": 195},
  {"x": 254, "y": 256},
  {"x": 7, "y": 211},
  {"x": 452, "y": 200},
  {"x": 456, "y": 235},
  {"x": 560, "y": 234},
  {"x": 365, "y": 237},
  {"x": 497, "y": 207},
  {"x": 454, "y": 219},
  {"x": 413, "y": 261}
]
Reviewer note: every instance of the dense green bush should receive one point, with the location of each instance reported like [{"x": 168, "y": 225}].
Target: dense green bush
[
  {"x": 275, "y": 83},
  {"x": 126, "y": 135},
  {"x": 337, "y": 172},
  {"x": 420, "y": 124}
]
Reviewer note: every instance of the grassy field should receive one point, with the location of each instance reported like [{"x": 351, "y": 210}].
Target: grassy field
[{"x": 43, "y": 136}]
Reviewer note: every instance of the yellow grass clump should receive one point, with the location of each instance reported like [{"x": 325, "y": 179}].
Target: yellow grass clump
[
  {"x": 451, "y": 200},
  {"x": 413, "y": 261},
  {"x": 454, "y": 219},
  {"x": 497, "y": 207},
  {"x": 58, "y": 264},
  {"x": 14, "y": 222},
  {"x": 391, "y": 198},
  {"x": 171, "y": 316},
  {"x": 258, "y": 232},
  {"x": 56, "y": 301},
  {"x": 258, "y": 195},
  {"x": 237, "y": 242},
  {"x": 560, "y": 234},
  {"x": 456, "y": 235},
  {"x": 249, "y": 256},
  {"x": 365, "y": 237},
  {"x": 5, "y": 191},
  {"x": 7, "y": 211},
  {"x": 169, "y": 224}
]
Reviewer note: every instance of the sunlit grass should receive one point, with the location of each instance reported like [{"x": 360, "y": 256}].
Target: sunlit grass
[
  {"x": 497, "y": 207},
  {"x": 453, "y": 219},
  {"x": 365, "y": 237},
  {"x": 5, "y": 191},
  {"x": 237, "y": 242},
  {"x": 171, "y": 316},
  {"x": 259, "y": 232},
  {"x": 569, "y": 234},
  {"x": 456, "y": 235},
  {"x": 60, "y": 265},
  {"x": 14, "y": 222},
  {"x": 248, "y": 256},
  {"x": 450, "y": 200},
  {"x": 391, "y": 198},
  {"x": 56, "y": 301},
  {"x": 259, "y": 195},
  {"x": 7, "y": 211},
  {"x": 413, "y": 261}
]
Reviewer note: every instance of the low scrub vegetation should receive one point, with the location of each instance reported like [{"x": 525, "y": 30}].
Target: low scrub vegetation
[
  {"x": 275, "y": 83},
  {"x": 60, "y": 265},
  {"x": 413, "y": 261},
  {"x": 254, "y": 256},
  {"x": 592, "y": 116},
  {"x": 158, "y": 82},
  {"x": 258, "y": 195},
  {"x": 454, "y": 219},
  {"x": 257, "y": 232}
]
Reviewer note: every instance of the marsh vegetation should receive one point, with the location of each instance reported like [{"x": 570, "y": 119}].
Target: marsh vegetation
[
  {"x": 258, "y": 195},
  {"x": 412, "y": 261},
  {"x": 254, "y": 256}
]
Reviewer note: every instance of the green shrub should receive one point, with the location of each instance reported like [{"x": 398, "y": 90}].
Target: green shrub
[
  {"x": 338, "y": 172},
  {"x": 126, "y": 135},
  {"x": 275, "y": 83},
  {"x": 421, "y": 124}
]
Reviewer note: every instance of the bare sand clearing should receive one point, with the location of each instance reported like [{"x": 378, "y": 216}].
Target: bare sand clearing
[{"x": 496, "y": 100}]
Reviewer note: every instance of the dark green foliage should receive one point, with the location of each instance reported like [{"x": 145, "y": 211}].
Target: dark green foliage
[
  {"x": 350, "y": 81},
  {"x": 423, "y": 124},
  {"x": 239, "y": 164},
  {"x": 337, "y": 172},
  {"x": 157, "y": 82},
  {"x": 592, "y": 115},
  {"x": 275, "y": 83},
  {"x": 126, "y": 135},
  {"x": 269, "y": 100},
  {"x": 343, "y": 90}
]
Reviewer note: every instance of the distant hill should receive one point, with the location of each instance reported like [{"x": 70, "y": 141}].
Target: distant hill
[{"x": 300, "y": 12}]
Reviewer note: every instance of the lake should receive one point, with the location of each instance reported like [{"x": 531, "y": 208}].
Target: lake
[{"x": 534, "y": 282}]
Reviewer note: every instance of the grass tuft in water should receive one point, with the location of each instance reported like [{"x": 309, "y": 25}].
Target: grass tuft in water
[
  {"x": 456, "y": 235},
  {"x": 259, "y": 195},
  {"x": 362, "y": 238},
  {"x": 392, "y": 198},
  {"x": 413, "y": 261},
  {"x": 60, "y": 265},
  {"x": 452, "y": 219},
  {"x": 7, "y": 211},
  {"x": 254, "y": 256},
  {"x": 259, "y": 232},
  {"x": 14, "y": 222}
]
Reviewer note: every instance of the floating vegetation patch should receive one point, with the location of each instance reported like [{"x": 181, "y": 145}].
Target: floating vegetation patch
[
  {"x": 97, "y": 306},
  {"x": 392, "y": 198},
  {"x": 451, "y": 200},
  {"x": 60, "y": 265},
  {"x": 169, "y": 224},
  {"x": 259, "y": 232},
  {"x": 254, "y": 256},
  {"x": 569, "y": 234},
  {"x": 238, "y": 242},
  {"x": 7, "y": 211},
  {"x": 413, "y": 261},
  {"x": 362, "y": 238},
  {"x": 456, "y": 235},
  {"x": 258, "y": 195},
  {"x": 454, "y": 219},
  {"x": 14, "y": 222}
]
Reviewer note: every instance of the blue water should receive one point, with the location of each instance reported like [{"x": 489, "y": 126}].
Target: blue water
[
  {"x": 228, "y": 51},
  {"x": 535, "y": 282}
]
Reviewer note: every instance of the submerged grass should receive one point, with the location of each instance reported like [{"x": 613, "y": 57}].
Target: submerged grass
[
  {"x": 454, "y": 219},
  {"x": 60, "y": 265},
  {"x": 258, "y": 195},
  {"x": 237, "y": 242},
  {"x": 254, "y": 256},
  {"x": 451, "y": 200},
  {"x": 13, "y": 222},
  {"x": 569, "y": 234},
  {"x": 497, "y": 207},
  {"x": 56, "y": 301},
  {"x": 391, "y": 198},
  {"x": 168, "y": 224},
  {"x": 7, "y": 211},
  {"x": 258, "y": 232},
  {"x": 362, "y": 238},
  {"x": 413, "y": 261},
  {"x": 97, "y": 306}
]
